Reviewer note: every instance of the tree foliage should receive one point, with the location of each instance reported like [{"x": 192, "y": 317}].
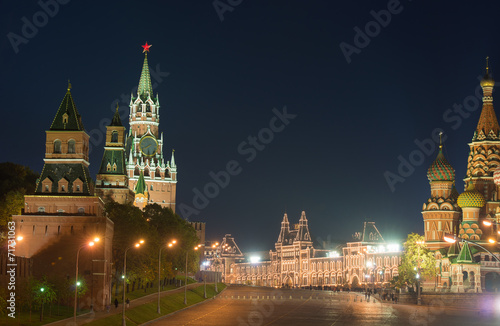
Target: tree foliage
[
  {"x": 43, "y": 291},
  {"x": 15, "y": 182},
  {"x": 157, "y": 226},
  {"x": 416, "y": 257}
]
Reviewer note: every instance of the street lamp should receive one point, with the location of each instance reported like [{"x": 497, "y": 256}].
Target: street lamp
[
  {"x": 419, "y": 244},
  {"x": 137, "y": 245},
  {"x": 159, "y": 271},
  {"x": 186, "y": 280},
  {"x": 90, "y": 244},
  {"x": 452, "y": 239}
]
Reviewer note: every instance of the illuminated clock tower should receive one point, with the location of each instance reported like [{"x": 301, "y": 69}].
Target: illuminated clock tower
[{"x": 145, "y": 147}]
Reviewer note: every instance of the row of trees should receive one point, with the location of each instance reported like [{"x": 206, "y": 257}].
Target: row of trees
[
  {"x": 157, "y": 226},
  {"x": 32, "y": 294},
  {"x": 15, "y": 182}
]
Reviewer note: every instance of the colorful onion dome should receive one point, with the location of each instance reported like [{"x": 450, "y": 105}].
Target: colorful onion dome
[
  {"x": 440, "y": 169},
  {"x": 471, "y": 197},
  {"x": 496, "y": 176}
]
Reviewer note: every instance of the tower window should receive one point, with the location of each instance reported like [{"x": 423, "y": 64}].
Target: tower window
[
  {"x": 41, "y": 209},
  {"x": 81, "y": 210},
  {"x": 46, "y": 229},
  {"x": 63, "y": 188},
  {"x": 65, "y": 118},
  {"x": 46, "y": 188},
  {"x": 114, "y": 136},
  {"x": 77, "y": 187},
  {"x": 108, "y": 167},
  {"x": 57, "y": 146},
  {"x": 71, "y": 146},
  {"x": 114, "y": 167},
  {"x": 58, "y": 229},
  {"x": 151, "y": 187},
  {"x": 72, "y": 230},
  {"x": 33, "y": 229}
]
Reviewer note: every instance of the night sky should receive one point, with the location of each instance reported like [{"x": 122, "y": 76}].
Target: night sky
[{"x": 350, "y": 123}]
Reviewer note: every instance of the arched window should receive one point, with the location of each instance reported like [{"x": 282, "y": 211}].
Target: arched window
[
  {"x": 81, "y": 210},
  {"x": 41, "y": 209},
  {"x": 57, "y": 146},
  {"x": 58, "y": 229},
  {"x": 71, "y": 146},
  {"x": 114, "y": 136},
  {"x": 46, "y": 229},
  {"x": 33, "y": 230}
]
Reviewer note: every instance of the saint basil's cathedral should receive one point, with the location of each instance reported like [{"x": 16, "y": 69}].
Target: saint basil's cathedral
[{"x": 473, "y": 215}]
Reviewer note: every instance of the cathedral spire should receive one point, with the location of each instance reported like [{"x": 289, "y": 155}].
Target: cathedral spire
[
  {"x": 487, "y": 127},
  {"x": 145, "y": 88}
]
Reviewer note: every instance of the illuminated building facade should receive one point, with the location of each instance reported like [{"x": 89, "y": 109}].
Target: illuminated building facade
[
  {"x": 464, "y": 267},
  {"x": 144, "y": 148},
  {"x": 366, "y": 261}
]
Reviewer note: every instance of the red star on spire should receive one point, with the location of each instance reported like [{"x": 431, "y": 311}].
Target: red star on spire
[{"x": 146, "y": 47}]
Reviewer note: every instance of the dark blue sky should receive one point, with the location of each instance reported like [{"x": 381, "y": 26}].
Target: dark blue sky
[{"x": 218, "y": 82}]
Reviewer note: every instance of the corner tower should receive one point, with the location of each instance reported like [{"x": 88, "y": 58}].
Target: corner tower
[
  {"x": 64, "y": 213},
  {"x": 441, "y": 213},
  {"x": 144, "y": 146},
  {"x": 112, "y": 179}
]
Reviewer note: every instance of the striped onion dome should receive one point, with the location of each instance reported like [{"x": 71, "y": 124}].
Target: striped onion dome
[
  {"x": 496, "y": 176},
  {"x": 471, "y": 197},
  {"x": 440, "y": 169}
]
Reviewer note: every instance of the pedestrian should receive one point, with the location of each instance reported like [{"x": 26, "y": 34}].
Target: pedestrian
[
  {"x": 116, "y": 303},
  {"x": 127, "y": 302}
]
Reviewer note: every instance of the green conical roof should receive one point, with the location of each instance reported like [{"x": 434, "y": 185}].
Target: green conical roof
[
  {"x": 140, "y": 187},
  {"x": 465, "y": 255},
  {"x": 145, "y": 86},
  {"x": 67, "y": 117},
  {"x": 117, "y": 122},
  {"x": 454, "y": 249}
]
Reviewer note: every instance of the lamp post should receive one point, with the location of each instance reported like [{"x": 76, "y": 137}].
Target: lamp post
[
  {"x": 90, "y": 244},
  {"x": 452, "y": 239},
  {"x": 159, "y": 272},
  {"x": 185, "y": 281},
  {"x": 137, "y": 245},
  {"x": 216, "y": 260},
  {"x": 419, "y": 298}
]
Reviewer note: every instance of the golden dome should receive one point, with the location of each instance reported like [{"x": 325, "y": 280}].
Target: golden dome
[
  {"x": 487, "y": 80},
  {"x": 471, "y": 198}
]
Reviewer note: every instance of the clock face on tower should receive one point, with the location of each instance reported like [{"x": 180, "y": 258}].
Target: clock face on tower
[{"x": 148, "y": 146}]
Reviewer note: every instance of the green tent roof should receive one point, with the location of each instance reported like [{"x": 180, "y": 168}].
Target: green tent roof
[
  {"x": 145, "y": 86},
  {"x": 140, "y": 187},
  {"x": 67, "y": 117},
  {"x": 116, "y": 122},
  {"x": 465, "y": 255}
]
